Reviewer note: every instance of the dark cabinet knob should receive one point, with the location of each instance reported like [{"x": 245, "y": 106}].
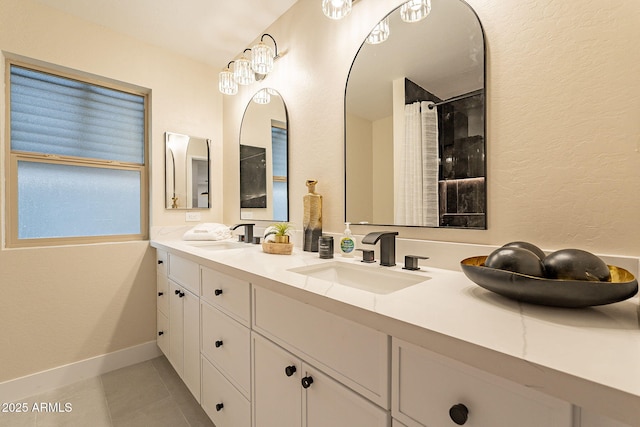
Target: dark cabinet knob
[
  {"x": 176, "y": 292},
  {"x": 160, "y": 333},
  {"x": 290, "y": 370},
  {"x": 218, "y": 344},
  {"x": 218, "y": 292},
  {"x": 160, "y": 262},
  {"x": 459, "y": 413},
  {"x": 306, "y": 382},
  {"x": 219, "y": 406},
  {"x": 160, "y": 294},
  {"x": 180, "y": 294}
]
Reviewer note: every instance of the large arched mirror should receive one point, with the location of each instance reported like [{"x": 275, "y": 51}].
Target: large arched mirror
[
  {"x": 186, "y": 172},
  {"x": 415, "y": 123},
  {"x": 264, "y": 188}
]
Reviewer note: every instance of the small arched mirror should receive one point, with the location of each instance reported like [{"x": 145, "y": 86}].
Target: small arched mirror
[
  {"x": 264, "y": 187},
  {"x": 186, "y": 172},
  {"x": 415, "y": 122}
]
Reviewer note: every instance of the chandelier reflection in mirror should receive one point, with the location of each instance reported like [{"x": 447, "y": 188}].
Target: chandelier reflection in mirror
[
  {"x": 411, "y": 11},
  {"x": 245, "y": 70}
]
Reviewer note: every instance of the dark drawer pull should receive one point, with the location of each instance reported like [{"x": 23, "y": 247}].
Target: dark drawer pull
[
  {"x": 219, "y": 406},
  {"x": 217, "y": 292},
  {"x": 459, "y": 413},
  {"x": 218, "y": 344},
  {"x": 306, "y": 382},
  {"x": 290, "y": 370}
]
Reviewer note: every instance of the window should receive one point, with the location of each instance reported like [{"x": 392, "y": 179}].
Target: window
[{"x": 77, "y": 164}]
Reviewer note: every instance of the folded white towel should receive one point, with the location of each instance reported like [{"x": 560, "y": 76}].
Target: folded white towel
[{"x": 208, "y": 231}]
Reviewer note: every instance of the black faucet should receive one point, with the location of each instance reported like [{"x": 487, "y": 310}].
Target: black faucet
[
  {"x": 387, "y": 245},
  {"x": 248, "y": 231}
]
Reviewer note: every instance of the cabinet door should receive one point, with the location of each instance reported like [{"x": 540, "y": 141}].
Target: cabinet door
[
  {"x": 328, "y": 403},
  {"x": 176, "y": 325},
  {"x": 277, "y": 396},
  {"x": 191, "y": 334}
]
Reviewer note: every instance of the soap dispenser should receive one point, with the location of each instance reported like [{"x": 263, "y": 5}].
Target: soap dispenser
[{"x": 347, "y": 244}]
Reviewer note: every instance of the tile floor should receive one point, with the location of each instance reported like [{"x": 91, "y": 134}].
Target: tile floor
[{"x": 146, "y": 394}]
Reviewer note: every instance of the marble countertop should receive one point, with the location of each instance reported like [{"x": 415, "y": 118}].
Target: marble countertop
[{"x": 589, "y": 357}]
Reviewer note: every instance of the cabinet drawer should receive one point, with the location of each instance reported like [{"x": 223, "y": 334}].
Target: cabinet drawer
[
  {"x": 164, "y": 337},
  {"x": 161, "y": 262},
  {"x": 229, "y": 294},
  {"x": 185, "y": 272},
  {"x": 426, "y": 385},
  {"x": 227, "y": 344},
  {"x": 221, "y": 401},
  {"x": 163, "y": 294},
  {"x": 355, "y": 355}
]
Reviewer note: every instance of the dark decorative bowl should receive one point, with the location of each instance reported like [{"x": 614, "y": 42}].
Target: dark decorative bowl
[{"x": 552, "y": 292}]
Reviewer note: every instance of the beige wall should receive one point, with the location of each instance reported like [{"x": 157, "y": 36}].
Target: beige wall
[
  {"x": 62, "y": 305},
  {"x": 563, "y": 119}
]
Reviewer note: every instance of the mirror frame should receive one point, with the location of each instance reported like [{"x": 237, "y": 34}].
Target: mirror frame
[
  {"x": 483, "y": 91},
  {"x": 173, "y": 203}
]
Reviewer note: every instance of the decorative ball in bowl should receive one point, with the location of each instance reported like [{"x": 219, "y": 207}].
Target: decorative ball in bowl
[{"x": 559, "y": 284}]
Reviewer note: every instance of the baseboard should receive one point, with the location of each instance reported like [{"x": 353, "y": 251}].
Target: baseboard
[{"x": 41, "y": 382}]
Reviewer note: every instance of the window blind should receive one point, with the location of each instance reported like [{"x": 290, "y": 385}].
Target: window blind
[{"x": 61, "y": 116}]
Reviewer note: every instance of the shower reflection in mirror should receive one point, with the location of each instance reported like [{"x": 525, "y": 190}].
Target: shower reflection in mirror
[{"x": 415, "y": 122}]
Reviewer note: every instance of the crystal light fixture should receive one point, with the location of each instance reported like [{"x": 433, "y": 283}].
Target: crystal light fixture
[
  {"x": 227, "y": 82},
  {"x": 262, "y": 56},
  {"x": 415, "y": 10},
  {"x": 243, "y": 73},
  {"x": 379, "y": 33},
  {"x": 336, "y": 9},
  {"x": 262, "y": 97}
]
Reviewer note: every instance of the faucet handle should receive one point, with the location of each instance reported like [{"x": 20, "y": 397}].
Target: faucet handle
[
  {"x": 367, "y": 255},
  {"x": 411, "y": 262}
]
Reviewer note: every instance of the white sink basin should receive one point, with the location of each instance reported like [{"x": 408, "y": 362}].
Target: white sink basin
[
  {"x": 376, "y": 279},
  {"x": 218, "y": 245}
]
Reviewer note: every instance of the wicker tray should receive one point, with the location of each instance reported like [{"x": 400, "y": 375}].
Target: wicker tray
[{"x": 277, "y": 248}]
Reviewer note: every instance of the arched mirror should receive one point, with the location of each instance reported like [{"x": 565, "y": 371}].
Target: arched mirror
[
  {"x": 415, "y": 122},
  {"x": 264, "y": 188},
  {"x": 186, "y": 172}
]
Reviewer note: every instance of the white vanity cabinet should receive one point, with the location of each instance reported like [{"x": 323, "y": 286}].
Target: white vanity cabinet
[
  {"x": 184, "y": 321},
  {"x": 430, "y": 390},
  {"x": 355, "y": 355},
  {"x": 288, "y": 392},
  {"x": 226, "y": 348}
]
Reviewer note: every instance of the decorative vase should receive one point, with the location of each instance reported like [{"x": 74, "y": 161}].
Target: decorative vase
[{"x": 312, "y": 221}]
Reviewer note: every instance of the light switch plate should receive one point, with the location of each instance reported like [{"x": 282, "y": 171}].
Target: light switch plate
[{"x": 193, "y": 216}]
